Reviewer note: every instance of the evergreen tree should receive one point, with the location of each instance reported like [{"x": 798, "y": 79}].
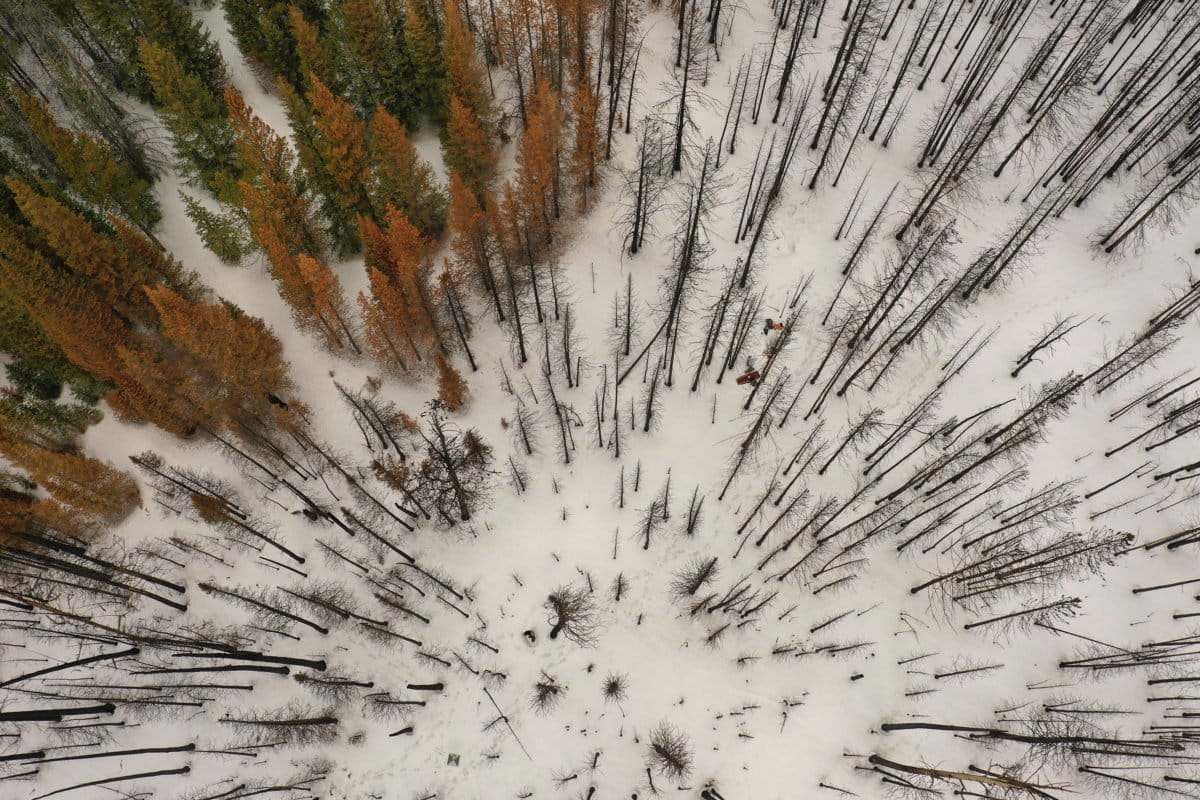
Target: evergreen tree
[
  {"x": 274, "y": 202},
  {"x": 341, "y": 146},
  {"x": 466, "y": 148},
  {"x": 423, "y": 46},
  {"x": 168, "y": 24},
  {"x": 464, "y": 69},
  {"x": 378, "y": 70},
  {"x": 314, "y": 52},
  {"x": 69, "y": 314},
  {"x": 222, "y": 234},
  {"x": 195, "y": 117},
  {"x": 400, "y": 178},
  {"x": 92, "y": 167},
  {"x": 37, "y": 366},
  {"x": 263, "y": 32},
  {"x": 44, "y": 423}
]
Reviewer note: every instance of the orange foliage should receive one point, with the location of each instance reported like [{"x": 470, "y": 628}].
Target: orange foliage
[
  {"x": 328, "y": 302},
  {"x": 71, "y": 315},
  {"x": 385, "y": 326},
  {"x": 230, "y": 363},
  {"x": 538, "y": 154},
  {"x": 310, "y": 50},
  {"x": 585, "y": 150},
  {"x": 87, "y": 252},
  {"x": 341, "y": 144},
  {"x": 90, "y": 486},
  {"x": 452, "y": 388},
  {"x": 267, "y": 165},
  {"x": 471, "y": 238}
]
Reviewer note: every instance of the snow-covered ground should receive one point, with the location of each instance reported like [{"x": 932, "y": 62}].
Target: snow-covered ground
[{"x": 783, "y": 692}]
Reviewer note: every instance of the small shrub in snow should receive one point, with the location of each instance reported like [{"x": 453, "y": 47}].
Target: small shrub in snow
[{"x": 670, "y": 752}]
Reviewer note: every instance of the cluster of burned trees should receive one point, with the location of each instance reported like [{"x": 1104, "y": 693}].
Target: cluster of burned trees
[{"x": 162, "y": 631}]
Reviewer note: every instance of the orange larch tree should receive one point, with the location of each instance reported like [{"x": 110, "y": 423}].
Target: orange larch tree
[
  {"x": 539, "y": 163},
  {"x": 471, "y": 239},
  {"x": 70, "y": 314},
  {"x": 452, "y": 388},
  {"x": 87, "y": 252},
  {"x": 231, "y": 364},
  {"x": 586, "y": 142},
  {"x": 312, "y": 50},
  {"x": 385, "y": 324},
  {"x": 267, "y": 164},
  {"x": 328, "y": 303},
  {"x": 342, "y": 145},
  {"x": 90, "y": 486},
  {"x": 149, "y": 388},
  {"x": 271, "y": 232},
  {"x": 152, "y": 259},
  {"x": 508, "y": 227},
  {"x": 375, "y": 247},
  {"x": 408, "y": 255}
]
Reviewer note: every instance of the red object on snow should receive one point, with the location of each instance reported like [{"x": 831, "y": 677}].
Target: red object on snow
[{"x": 747, "y": 377}]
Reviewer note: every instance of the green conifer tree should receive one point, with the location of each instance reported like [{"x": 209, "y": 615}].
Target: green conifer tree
[
  {"x": 224, "y": 235},
  {"x": 195, "y": 116},
  {"x": 423, "y": 44},
  {"x": 122, "y": 24}
]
